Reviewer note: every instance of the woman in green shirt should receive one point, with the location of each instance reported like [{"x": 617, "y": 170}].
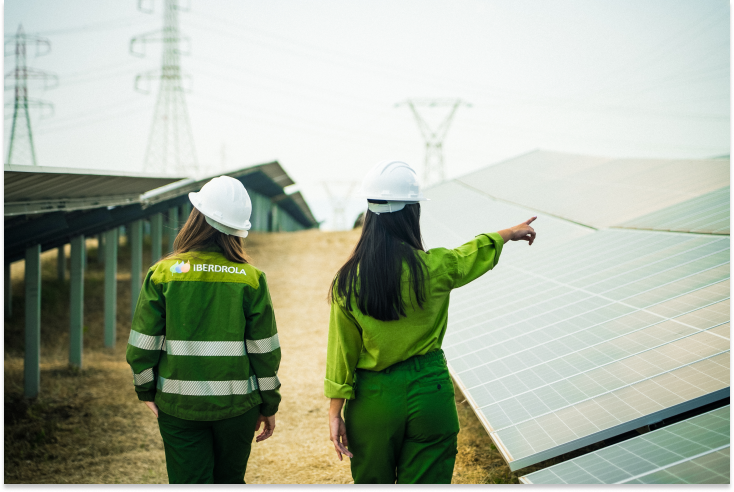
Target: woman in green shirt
[{"x": 389, "y": 313}]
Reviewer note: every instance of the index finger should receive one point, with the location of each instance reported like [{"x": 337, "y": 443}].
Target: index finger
[{"x": 530, "y": 220}]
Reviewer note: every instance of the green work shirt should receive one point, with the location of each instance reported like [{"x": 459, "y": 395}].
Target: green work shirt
[
  {"x": 358, "y": 341},
  {"x": 203, "y": 343}
]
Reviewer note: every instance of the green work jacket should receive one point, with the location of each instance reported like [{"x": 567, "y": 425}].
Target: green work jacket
[
  {"x": 203, "y": 343},
  {"x": 358, "y": 341}
]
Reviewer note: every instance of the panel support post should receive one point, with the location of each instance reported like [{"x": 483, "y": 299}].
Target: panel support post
[
  {"x": 274, "y": 222},
  {"x": 61, "y": 263},
  {"x": 185, "y": 211},
  {"x": 100, "y": 248},
  {"x": 172, "y": 227},
  {"x": 110, "y": 288},
  {"x": 156, "y": 236},
  {"x": 135, "y": 236},
  {"x": 32, "y": 363},
  {"x": 8, "y": 292},
  {"x": 84, "y": 254},
  {"x": 76, "y": 308}
]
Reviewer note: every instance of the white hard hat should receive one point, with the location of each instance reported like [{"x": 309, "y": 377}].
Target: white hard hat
[
  {"x": 225, "y": 204},
  {"x": 393, "y": 181}
]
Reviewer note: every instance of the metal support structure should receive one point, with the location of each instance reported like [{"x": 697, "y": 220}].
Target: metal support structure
[
  {"x": 100, "y": 249},
  {"x": 185, "y": 211},
  {"x": 274, "y": 225},
  {"x": 20, "y": 148},
  {"x": 8, "y": 292},
  {"x": 110, "y": 288},
  {"x": 433, "y": 171},
  {"x": 61, "y": 263},
  {"x": 32, "y": 363},
  {"x": 156, "y": 237},
  {"x": 136, "y": 262},
  {"x": 339, "y": 202},
  {"x": 172, "y": 227},
  {"x": 76, "y": 302},
  {"x": 84, "y": 254},
  {"x": 170, "y": 143}
]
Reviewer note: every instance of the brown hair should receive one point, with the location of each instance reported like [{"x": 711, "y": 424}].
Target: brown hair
[{"x": 196, "y": 235}]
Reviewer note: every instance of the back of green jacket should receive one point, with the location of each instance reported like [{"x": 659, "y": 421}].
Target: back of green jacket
[{"x": 204, "y": 343}]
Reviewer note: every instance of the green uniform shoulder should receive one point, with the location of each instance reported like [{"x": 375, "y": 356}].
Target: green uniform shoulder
[{"x": 204, "y": 266}]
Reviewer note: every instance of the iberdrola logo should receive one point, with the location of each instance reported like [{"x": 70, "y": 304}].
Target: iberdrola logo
[{"x": 181, "y": 267}]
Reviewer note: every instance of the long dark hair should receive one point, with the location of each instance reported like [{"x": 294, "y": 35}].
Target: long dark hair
[
  {"x": 196, "y": 235},
  {"x": 372, "y": 275}
]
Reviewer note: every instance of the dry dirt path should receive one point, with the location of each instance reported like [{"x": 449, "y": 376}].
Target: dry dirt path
[{"x": 88, "y": 426}]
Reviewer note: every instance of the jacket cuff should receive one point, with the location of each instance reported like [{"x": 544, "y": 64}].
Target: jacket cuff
[
  {"x": 496, "y": 240},
  {"x": 336, "y": 390},
  {"x": 268, "y": 410},
  {"x": 146, "y": 395}
]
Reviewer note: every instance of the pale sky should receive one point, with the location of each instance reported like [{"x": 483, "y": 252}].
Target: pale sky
[{"x": 314, "y": 83}]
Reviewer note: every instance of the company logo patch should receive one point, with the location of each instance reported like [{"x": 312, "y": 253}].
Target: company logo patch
[
  {"x": 181, "y": 267},
  {"x": 219, "y": 268}
]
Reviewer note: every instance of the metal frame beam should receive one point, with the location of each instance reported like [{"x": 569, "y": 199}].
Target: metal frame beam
[
  {"x": 8, "y": 291},
  {"x": 32, "y": 362},
  {"x": 110, "y": 288},
  {"x": 136, "y": 262},
  {"x": 61, "y": 263},
  {"x": 156, "y": 237},
  {"x": 76, "y": 302}
]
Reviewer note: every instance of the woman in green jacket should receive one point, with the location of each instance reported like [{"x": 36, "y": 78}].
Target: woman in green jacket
[
  {"x": 389, "y": 312},
  {"x": 204, "y": 346}
]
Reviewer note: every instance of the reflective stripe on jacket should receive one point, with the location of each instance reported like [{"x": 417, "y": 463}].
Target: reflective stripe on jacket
[{"x": 204, "y": 343}]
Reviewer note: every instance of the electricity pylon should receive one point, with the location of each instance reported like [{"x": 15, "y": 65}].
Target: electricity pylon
[
  {"x": 339, "y": 201},
  {"x": 170, "y": 143},
  {"x": 434, "y": 168},
  {"x": 20, "y": 148}
]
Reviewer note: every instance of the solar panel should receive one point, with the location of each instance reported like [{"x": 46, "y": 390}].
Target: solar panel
[
  {"x": 693, "y": 451},
  {"x": 596, "y": 191},
  {"x": 585, "y": 335},
  {"x": 708, "y": 213}
]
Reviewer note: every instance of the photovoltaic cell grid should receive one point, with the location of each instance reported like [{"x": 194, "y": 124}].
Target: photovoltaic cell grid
[
  {"x": 595, "y": 191},
  {"x": 567, "y": 344},
  {"x": 705, "y": 214},
  {"x": 695, "y": 450}
]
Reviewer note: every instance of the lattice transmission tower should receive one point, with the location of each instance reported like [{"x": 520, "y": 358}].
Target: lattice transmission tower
[
  {"x": 433, "y": 171},
  {"x": 339, "y": 201},
  {"x": 170, "y": 143},
  {"x": 20, "y": 147}
]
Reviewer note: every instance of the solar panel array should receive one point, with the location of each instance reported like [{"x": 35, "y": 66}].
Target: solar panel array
[
  {"x": 585, "y": 335},
  {"x": 595, "y": 191},
  {"x": 708, "y": 213},
  {"x": 695, "y": 450}
]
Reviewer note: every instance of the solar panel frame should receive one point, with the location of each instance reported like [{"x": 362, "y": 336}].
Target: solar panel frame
[
  {"x": 694, "y": 441},
  {"x": 707, "y": 213},
  {"x": 634, "y": 286}
]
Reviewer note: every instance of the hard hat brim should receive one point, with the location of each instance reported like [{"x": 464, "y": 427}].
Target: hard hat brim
[
  {"x": 224, "y": 229},
  {"x": 196, "y": 202}
]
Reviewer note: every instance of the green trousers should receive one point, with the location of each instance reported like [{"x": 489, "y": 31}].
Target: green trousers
[
  {"x": 215, "y": 451},
  {"x": 402, "y": 424}
]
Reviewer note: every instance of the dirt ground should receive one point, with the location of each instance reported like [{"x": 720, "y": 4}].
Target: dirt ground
[{"x": 88, "y": 427}]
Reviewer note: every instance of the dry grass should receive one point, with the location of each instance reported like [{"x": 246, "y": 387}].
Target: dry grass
[{"x": 88, "y": 427}]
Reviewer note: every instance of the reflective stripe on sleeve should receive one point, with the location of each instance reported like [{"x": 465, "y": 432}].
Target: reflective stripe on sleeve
[
  {"x": 213, "y": 349},
  {"x": 144, "y": 377},
  {"x": 268, "y": 383},
  {"x": 145, "y": 342},
  {"x": 264, "y": 345},
  {"x": 207, "y": 388}
]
